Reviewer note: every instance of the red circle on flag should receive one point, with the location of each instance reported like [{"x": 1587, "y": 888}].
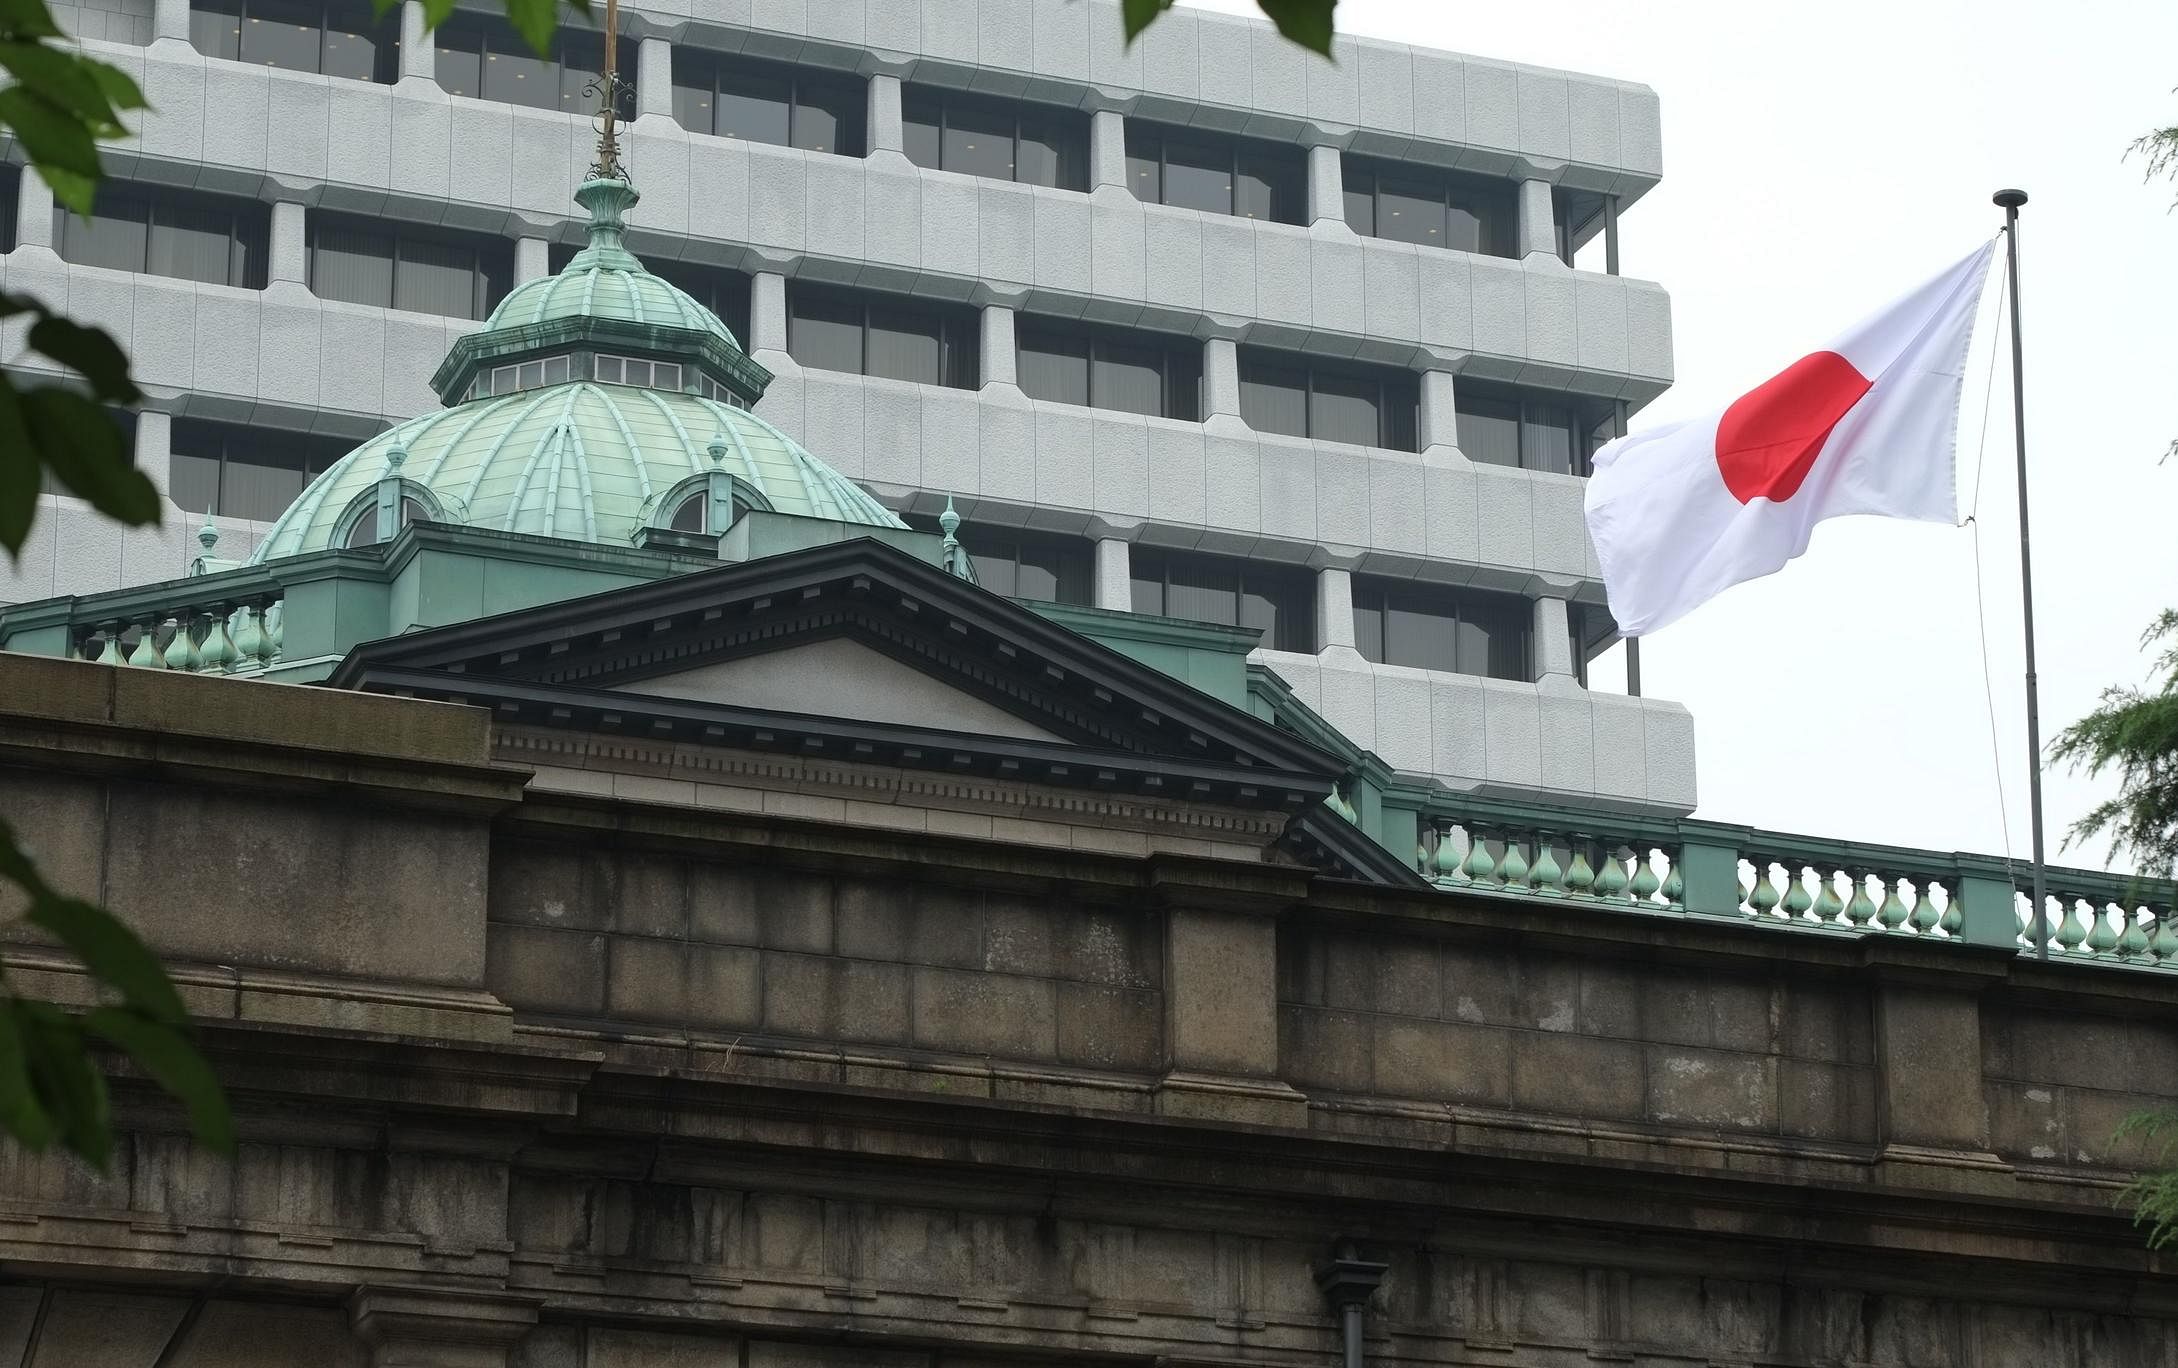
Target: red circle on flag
[{"x": 1768, "y": 440}]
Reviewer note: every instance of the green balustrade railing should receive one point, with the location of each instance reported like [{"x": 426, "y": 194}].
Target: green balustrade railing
[
  {"x": 1800, "y": 883},
  {"x": 230, "y": 623}
]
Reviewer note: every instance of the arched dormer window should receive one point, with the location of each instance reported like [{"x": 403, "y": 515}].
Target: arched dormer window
[
  {"x": 359, "y": 526},
  {"x": 687, "y": 506}
]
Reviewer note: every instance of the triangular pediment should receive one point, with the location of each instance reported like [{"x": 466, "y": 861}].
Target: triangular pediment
[{"x": 839, "y": 677}]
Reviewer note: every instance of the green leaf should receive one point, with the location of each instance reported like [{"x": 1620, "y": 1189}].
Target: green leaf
[
  {"x": 54, "y": 139},
  {"x": 535, "y": 20},
  {"x": 27, "y": 19},
  {"x": 63, "y": 79},
  {"x": 91, "y": 353},
  {"x": 113, "y": 954},
  {"x": 1136, "y": 15},
  {"x": 120, "y": 88},
  {"x": 436, "y": 12},
  {"x": 18, "y": 471},
  {"x": 175, "y": 1065},
  {"x": 87, "y": 452},
  {"x": 20, "y": 1113},
  {"x": 67, "y": 1080},
  {"x": 1307, "y": 22}
]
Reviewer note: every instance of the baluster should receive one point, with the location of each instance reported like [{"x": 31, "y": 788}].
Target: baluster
[
  {"x": 109, "y": 644},
  {"x": 1954, "y": 918},
  {"x": 1675, "y": 883},
  {"x": 1925, "y": 916},
  {"x": 1547, "y": 876},
  {"x": 1762, "y": 897},
  {"x": 1645, "y": 883},
  {"x": 1580, "y": 876},
  {"x": 275, "y": 629},
  {"x": 1445, "y": 862},
  {"x": 1797, "y": 897},
  {"x": 2070, "y": 930},
  {"x": 1513, "y": 869},
  {"x": 146, "y": 654},
  {"x": 2164, "y": 943},
  {"x": 249, "y": 638},
  {"x": 1862, "y": 909},
  {"x": 217, "y": 652},
  {"x": 1612, "y": 879},
  {"x": 2102, "y": 934},
  {"x": 180, "y": 650},
  {"x": 1828, "y": 905},
  {"x": 2133, "y": 944},
  {"x": 1892, "y": 914},
  {"x": 1479, "y": 867}
]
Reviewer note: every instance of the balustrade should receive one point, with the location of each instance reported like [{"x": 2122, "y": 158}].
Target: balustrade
[
  {"x": 2103, "y": 917},
  {"x": 1618, "y": 868},
  {"x": 1781, "y": 887},
  {"x": 231, "y": 636}
]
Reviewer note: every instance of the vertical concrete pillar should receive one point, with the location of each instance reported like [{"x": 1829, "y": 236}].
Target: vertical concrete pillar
[
  {"x": 767, "y": 313},
  {"x": 1221, "y": 992},
  {"x": 1220, "y": 378},
  {"x": 155, "y": 447},
  {"x": 419, "y": 55},
  {"x": 532, "y": 259},
  {"x": 1326, "y": 186},
  {"x": 34, "y": 211},
  {"x": 1107, "y": 149},
  {"x": 1538, "y": 220},
  {"x": 999, "y": 358},
  {"x": 170, "y": 21},
  {"x": 287, "y": 258},
  {"x": 1439, "y": 419},
  {"x": 888, "y": 131},
  {"x": 1334, "y": 609},
  {"x": 654, "y": 79},
  {"x": 1114, "y": 587},
  {"x": 1553, "y": 638}
]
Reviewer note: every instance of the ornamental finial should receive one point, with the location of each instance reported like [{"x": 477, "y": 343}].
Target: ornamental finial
[
  {"x": 607, "y": 88},
  {"x": 207, "y": 537},
  {"x": 717, "y": 449}
]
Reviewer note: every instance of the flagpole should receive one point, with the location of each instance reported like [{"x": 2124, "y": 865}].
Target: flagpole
[{"x": 2009, "y": 201}]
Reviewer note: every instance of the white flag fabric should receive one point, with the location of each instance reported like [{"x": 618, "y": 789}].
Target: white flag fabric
[{"x": 1868, "y": 424}]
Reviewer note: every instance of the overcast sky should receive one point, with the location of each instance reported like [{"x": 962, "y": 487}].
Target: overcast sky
[{"x": 1818, "y": 160}]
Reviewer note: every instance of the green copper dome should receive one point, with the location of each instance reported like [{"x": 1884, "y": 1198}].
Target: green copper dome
[{"x": 594, "y": 404}]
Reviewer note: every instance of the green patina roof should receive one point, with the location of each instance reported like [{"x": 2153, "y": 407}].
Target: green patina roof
[
  {"x": 581, "y": 460},
  {"x": 585, "y": 461}
]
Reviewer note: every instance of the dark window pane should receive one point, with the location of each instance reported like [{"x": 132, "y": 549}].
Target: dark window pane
[
  {"x": 1203, "y": 590},
  {"x": 1546, "y": 439},
  {"x": 1420, "y": 634},
  {"x": 437, "y": 277},
  {"x": 353, "y": 263},
  {"x": 460, "y": 62},
  {"x": 1268, "y": 187},
  {"x": 1361, "y": 202},
  {"x": 515, "y": 75},
  {"x": 215, "y": 29},
  {"x": 1489, "y": 430},
  {"x": 825, "y": 332},
  {"x": 695, "y": 85},
  {"x": 113, "y": 237},
  {"x": 1053, "y": 366},
  {"x": 193, "y": 483},
  {"x": 828, "y": 116},
  {"x": 1129, "y": 377},
  {"x": 1411, "y": 211},
  {"x": 259, "y": 481},
  {"x": 581, "y": 64},
  {"x": 1183, "y": 393},
  {"x": 979, "y": 141},
  {"x": 905, "y": 344},
  {"x": 1274, "y": 396},
  {"x": 1053, "y": 151},
  {"x": 1401, "y": 417},
  {"x": 921, "y": 119},
  {"x": 1466, "y": 227},
  {"x": 1369, "y": 623},
  {"x": 283, "y": 33},
  {"x": 998, "y": 567},
  {"x": 1142, "y": 155},
  {"x": 1199, "y": 174},
  {"x": 191, "y": 242},
  {"x": 359, "y": 45},
  {"x": 689, "y": 516},
  {"x": 11, "y": 181},
  {"x": 1344, "y": 409},
  {"x": 755, "y": 105}
]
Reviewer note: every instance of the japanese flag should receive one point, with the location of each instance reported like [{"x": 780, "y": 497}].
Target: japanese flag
[{"x": 1868, "y": 424}]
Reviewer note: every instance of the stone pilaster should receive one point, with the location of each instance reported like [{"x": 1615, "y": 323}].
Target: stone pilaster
[
  {"x": 1221, "y": 992},
  {"x": 288, "y": 255},
  {"x": 1553, "y": 644},
  {"x": 1326, "y": 186},
  {"x": 1439, "y": 419},
  {"x": 1538, "y": 221},
  {"x": 654, "y": 79},
  {"x": 998, "y": 350},
  {"x": 1114, "y": 586},
  {"x": 155, "y": 446},
  {"x": 419, "y": 55},
  {"x": 170, "y": 21},
  {"x": 532, "y": 259},
  {"x": 1107, "y": 149},
  {"x": 1220, "y": 379},
  {"x": 33, "y": 211},
  {"x": 1334, "y": 609},
  {"x": 767, "y": 315},
  {"x": 888, "y": 130}
]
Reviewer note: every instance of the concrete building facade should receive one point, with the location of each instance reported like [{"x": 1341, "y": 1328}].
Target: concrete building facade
[{"x": 1431, "y": 343}]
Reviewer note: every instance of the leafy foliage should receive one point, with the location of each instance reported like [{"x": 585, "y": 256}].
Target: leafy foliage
[
  {"x": 2153, "y": 1195},
  {"x": 1306, "y": 22},
  {"x": 2160, "y": 149},
  {"x": 2134, "y": 730}
]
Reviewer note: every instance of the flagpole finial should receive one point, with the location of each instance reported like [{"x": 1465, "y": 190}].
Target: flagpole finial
[{"x": 2008, "y": 199}]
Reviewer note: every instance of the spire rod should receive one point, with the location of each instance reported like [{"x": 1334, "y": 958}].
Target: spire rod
[{"x": 608, "y": 137}]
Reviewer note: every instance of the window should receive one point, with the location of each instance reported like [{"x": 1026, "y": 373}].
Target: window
[
  {"x": 398, "y": 266},
  {"x": 634, "y": 370},
  {"x": 1002, "y": 139},
  {"x": 486, "y": 58},
  {"x": 1508, "y": 427},
  {"x": 1587, "y": 226},
  {"x": 11, "y": 181},
  {"x": 1431, "y": 207},
  {"x": 1042, "y": 566},
  {"x": 1277, "y": 600},
  {"x": 817, "y": 111},
  {"x": 1109, "y": 368},
  {"x": 523, "y": 375},
  {"x": 228, "y": 471},
  {"x": 1432, "y": 627},
  {"x": 124, "y": 419},
  {"x": 328, "y": 37},
  {"x": 177, "y": 233},
  {"x": 1216, "y": 173},
  {"x": 724, "y": 292},
  {"x": 893, "y": 339},
  {"x": 1282, "y": 392},
  {"x": 364, "y": 530}
]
